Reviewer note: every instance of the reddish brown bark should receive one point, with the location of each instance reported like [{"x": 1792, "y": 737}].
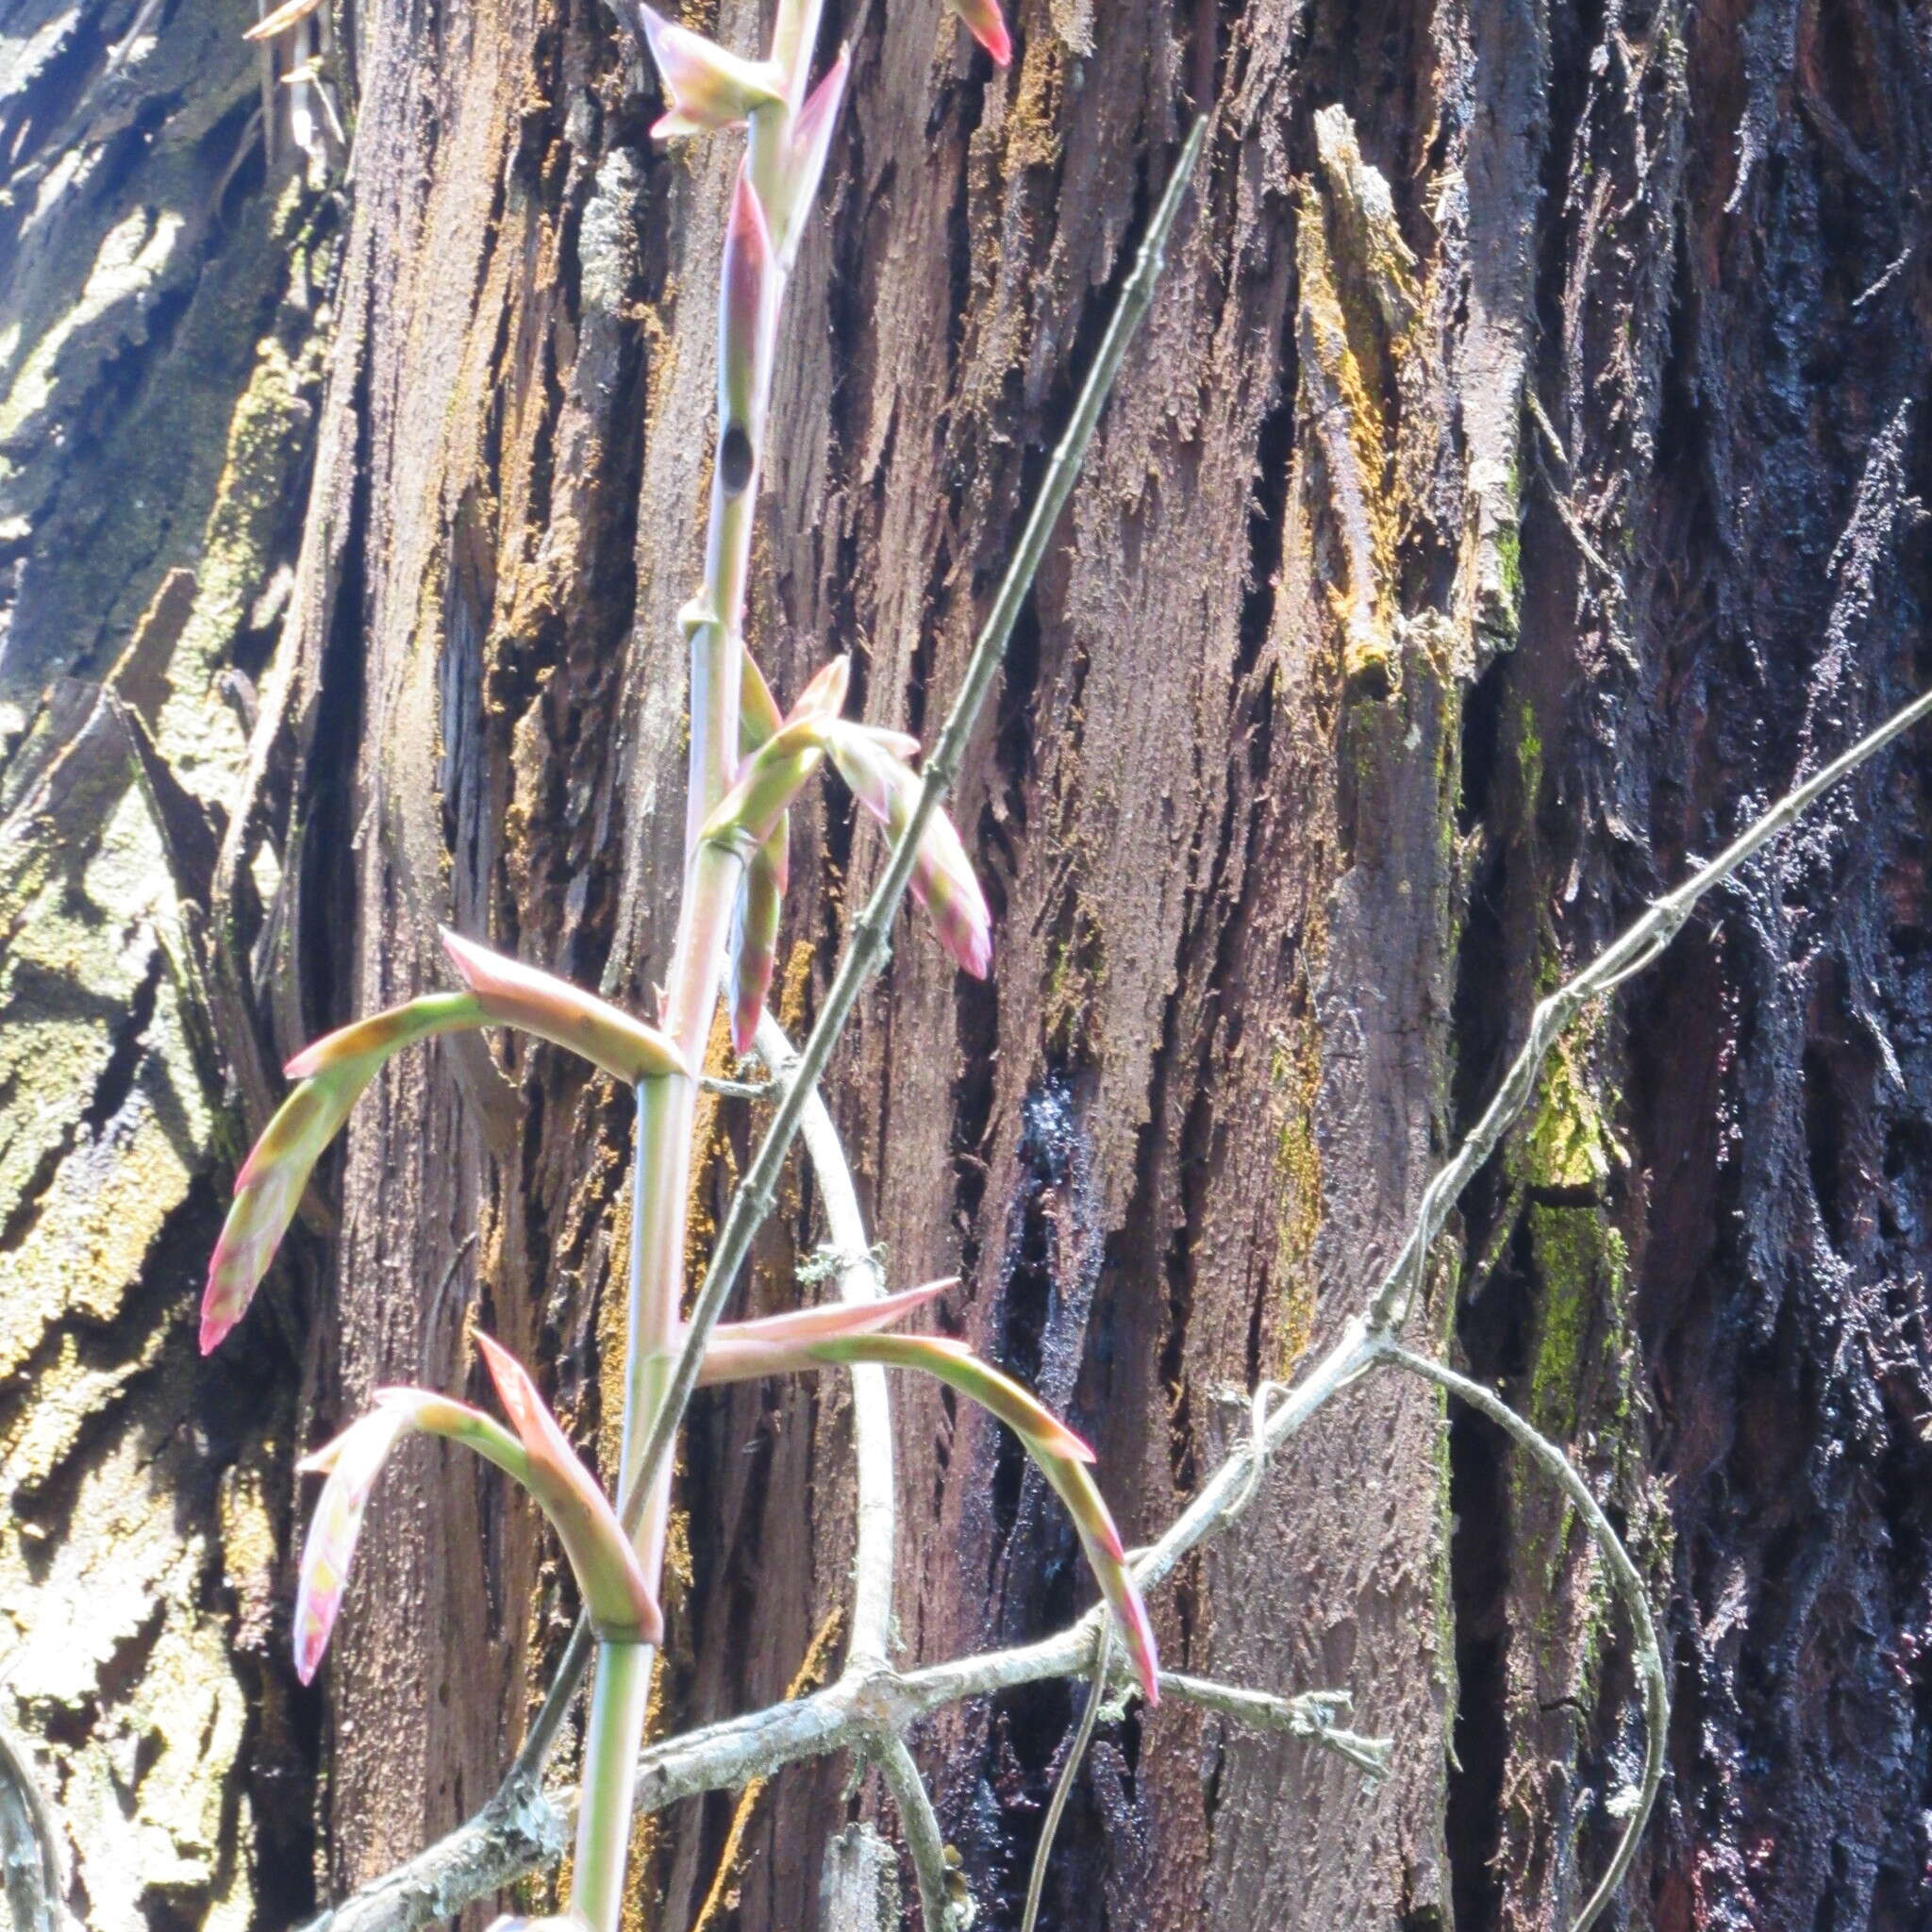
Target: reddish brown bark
[{"x": 1272, "y": 894}]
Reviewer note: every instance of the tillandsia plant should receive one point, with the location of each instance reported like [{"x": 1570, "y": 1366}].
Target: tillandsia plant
[{"x": 748, "y": 761}]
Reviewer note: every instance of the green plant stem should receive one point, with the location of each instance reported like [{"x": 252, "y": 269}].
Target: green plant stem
[
  {"x": 667, "y": 1109},
  {"x": 756, "y": 1194},
  {"x": 611, "y": 1751},
  {"x": 794, "y": 34}
]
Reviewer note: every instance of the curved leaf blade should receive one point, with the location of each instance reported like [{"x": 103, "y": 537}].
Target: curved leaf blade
[
  {"x": 619, "y": 1600},
  {"x": 526, "y": 997}
]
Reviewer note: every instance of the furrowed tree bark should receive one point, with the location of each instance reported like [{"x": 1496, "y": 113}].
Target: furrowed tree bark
[
  {"x": 166, "y": 256},
  {"x": 1517, "y": 483}
]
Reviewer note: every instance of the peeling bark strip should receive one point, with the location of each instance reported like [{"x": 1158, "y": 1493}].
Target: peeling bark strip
[{"x": 1359, "y": 695}]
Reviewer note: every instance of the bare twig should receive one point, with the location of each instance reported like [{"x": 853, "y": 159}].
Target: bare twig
[
  {"x": 919, "y": 1825},
  {"x": 1310, "y": 1716},
  {"x": 1064, "y": 1784},
  {"x": 861, "y": 1280},
  {"x": 30, "y": 1875},
  {"x": 1636, "y": 947},
  {"x": 735, "y": 1089},
  {"x": 1625, "y": 1578}
]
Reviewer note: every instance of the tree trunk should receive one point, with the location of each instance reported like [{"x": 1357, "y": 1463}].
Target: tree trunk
[{"x": 1517, "y": 485}]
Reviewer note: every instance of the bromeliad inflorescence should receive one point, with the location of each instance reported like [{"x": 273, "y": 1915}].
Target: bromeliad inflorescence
[{"x": 748, "y": 762}]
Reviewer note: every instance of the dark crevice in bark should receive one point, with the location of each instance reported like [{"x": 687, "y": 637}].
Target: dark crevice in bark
[
  {"x": 325, "y": 941},
  {"x": 1493, "y": 1335},
  {"x": 1049, "y": 1269},
  {"x": 1478, "y": 1457},
  {"x": 1268, "y": 512},
  {"x": 975, "y": 1011}
]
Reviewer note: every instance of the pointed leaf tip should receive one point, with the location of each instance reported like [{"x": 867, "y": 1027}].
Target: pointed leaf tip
[
  {"x": 943, "y": 882},
  {"x": 749, "y": 232},
  {"x": 331, "y": 1075},
  {"x": 352, "y": 1462},
  {"x": 513, "y": 994},
  {"x": 744, "y": 319},
  {"x": 1106, "y": 1559},
  {"x": 754, "y": 935},
  {"x": 706, "y": 87},
  {"x": 514, "y": 1389},
  {"x": 824, "y": 696},
  {"x": 811, "y": 142},
  {"x": 987, "y": 25},
  {"x": 615, "y": 1592},
  {"x": 831, "y": 1319},
  {"x": 268, "y": 1192},
  {"x": 214, "y": 1327}
]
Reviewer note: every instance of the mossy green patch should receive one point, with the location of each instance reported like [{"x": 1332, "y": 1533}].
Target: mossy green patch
[
  {"x": 1294, "y": 1075},
  {"x": 1075, "y": 977}
]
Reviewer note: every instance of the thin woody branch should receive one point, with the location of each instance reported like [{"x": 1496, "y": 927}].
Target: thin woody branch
[
  {"x": 861, "y": 1280},
  {"x": 1310, "y": 1716},
  {"x": 919, "y": 1825},
  {"x": 1635, "y": 948},
  {"x": 1624, "y": 1579},
  {"x": 31, "y": 1880}
]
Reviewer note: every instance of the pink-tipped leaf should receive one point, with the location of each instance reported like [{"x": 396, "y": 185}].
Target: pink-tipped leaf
[
  {"x": 824, "y": 696},
  {"x": 943, "y": 878},
  {"x": 332, "y": 1074},
  {"x": 744, "y": 315},
  {"x": 1107, "y": 1558},
  {"x": 987, "y": 25},
  {"x": 1060, "y": 1456},
  {"x": 781, "y": 1345},
  {"x": 706, "y": 87},
  {"x": 811, "y": 142},
  {"x": 537, "y": 1457},
  {"x": 777, "y": 1344},
  {"x": 351, "y": 1464},
  {"x": 618, "y": 1600},
  {"x": 755, "y": 934},
  {"x": 514, "y": 994},
  {"x": 334, "y": 1071}
]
